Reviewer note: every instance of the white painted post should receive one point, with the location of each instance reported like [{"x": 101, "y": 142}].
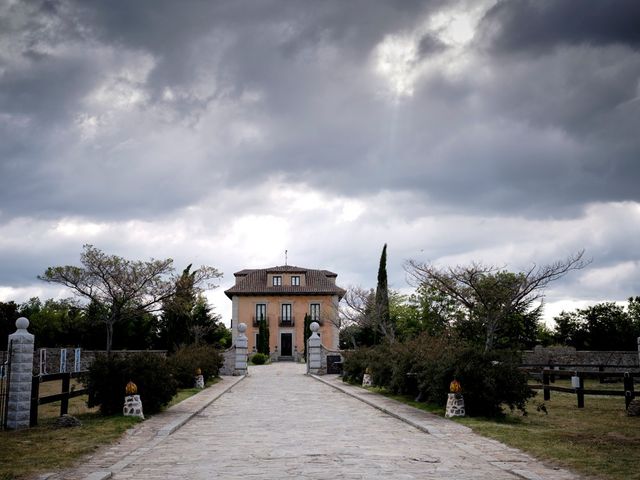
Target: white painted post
[
  {"x": 19, "y": 402},
  {"x": 43, "y": 361},
  {"x": 314, "y": 360},
  {"x": 241, "y": 350},
  {"x": 76, "y": 360},
  {"x": 63, "y": 360}
]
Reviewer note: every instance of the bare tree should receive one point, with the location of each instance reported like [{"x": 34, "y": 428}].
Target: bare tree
[
  {"x": 359, "y": 308},
  {"x": 123, "y": 287},
  {"x": 355, "y": 306},
  {"x": 490, "y": 292}
]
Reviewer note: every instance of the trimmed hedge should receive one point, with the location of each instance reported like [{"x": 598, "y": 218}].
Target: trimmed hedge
[{"x": 259, "y": 358}]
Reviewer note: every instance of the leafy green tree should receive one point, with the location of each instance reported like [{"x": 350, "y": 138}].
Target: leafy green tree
[
  {"x": 8, "y": 316},
  {"x": 55, "y": 323},
  {"x": 544, "y": 335},
  {"x": 206, "y": 326},
  {"x": 633, "y": 309},
  {"x": 490, "y": 295},
  {"x": 126, "y": 289},
  {"x": 426, "y": 310},
  {"x": 609, "y": 327},
  {"x": 65, "y": 323},
  {"x": 176, "y": 316},
  {"x": 187, "y": 317},
  {"x": 604, "y": 326}
]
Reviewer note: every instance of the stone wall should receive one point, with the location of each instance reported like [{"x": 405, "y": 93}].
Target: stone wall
[
  {"x": 229, "y": 365},
  {"x": 323, "y": 356},
  {"x": 86, "y": 358},
  {"x": 616, "y": 360}
]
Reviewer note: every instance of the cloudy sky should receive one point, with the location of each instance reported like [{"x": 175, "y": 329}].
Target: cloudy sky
[{"x": 223, "y": 133}]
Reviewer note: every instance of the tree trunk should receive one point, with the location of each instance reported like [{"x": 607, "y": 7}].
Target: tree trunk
[
  {"x": 109, "y": 324},
  {"x": 491, "y": 333}
]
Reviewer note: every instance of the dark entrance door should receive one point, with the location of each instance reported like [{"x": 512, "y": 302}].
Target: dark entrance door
[{"x": 285, "y": 344}]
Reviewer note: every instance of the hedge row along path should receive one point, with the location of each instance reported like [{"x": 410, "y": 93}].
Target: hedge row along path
[{"x": 280, "y": 423}]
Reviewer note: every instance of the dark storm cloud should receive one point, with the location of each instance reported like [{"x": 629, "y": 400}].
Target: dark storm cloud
[
  {"x": 260, "y": 33},
  {"x": 542, "y": 133},
  {"x": 430, "y": 44},
  {"x": 540, "y": 25}
]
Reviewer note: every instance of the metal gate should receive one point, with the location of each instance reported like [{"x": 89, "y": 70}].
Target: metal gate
[{"x": 5, "y": 375}]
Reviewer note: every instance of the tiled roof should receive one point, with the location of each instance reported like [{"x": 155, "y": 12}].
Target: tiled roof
[{"x": 254, "y": 282}]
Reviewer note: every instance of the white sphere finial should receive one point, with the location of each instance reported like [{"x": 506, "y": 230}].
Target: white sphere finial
[
  {"x": 242, "y": 327},
  {"x": 22, "y": 323},
  {"x": 315, "y": 326}
]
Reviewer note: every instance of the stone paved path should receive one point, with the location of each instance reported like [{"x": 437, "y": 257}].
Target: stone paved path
[{"x": 281, "y": 424}]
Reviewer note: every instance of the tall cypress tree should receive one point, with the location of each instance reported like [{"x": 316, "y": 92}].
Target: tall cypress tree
[
  {"x": 382, "y": 319},
  {"x": 263, "y": 337}
]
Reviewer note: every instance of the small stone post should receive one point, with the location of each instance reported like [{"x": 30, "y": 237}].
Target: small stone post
[
  {"x": 199, "y": 379},
  {"x": 241, "y": 350},
  {"x": 314, "y": 354},
  {"x": 132, "y": 403},
  {"x": 19, "y": 402},
  {"x": 455, "y": 401}
]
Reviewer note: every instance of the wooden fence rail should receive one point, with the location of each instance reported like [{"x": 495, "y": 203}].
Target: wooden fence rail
[
  {"x": 577, "y": 387},
  {"x": 63, "y": 397}
]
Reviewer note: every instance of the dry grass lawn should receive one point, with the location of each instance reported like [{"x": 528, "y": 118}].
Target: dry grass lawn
[
  {"x": 27, "y": 453},
  {"x": 599, "y": 440}
]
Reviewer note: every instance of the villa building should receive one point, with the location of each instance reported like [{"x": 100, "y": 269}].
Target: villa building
[{"x": 282, "y": 296}]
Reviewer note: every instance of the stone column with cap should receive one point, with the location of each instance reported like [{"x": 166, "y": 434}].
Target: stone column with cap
[
  {"x": 314, "y": 354},
  {"x": 241, "y": 350},
  {"x": 19, "y": 401}
]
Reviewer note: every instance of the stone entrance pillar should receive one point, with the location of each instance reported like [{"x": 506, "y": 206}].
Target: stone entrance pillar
[
  {"x": 241, "y": 350},
  {"x": 314, "y": 353},
  {"x": 19, "y": 401}
]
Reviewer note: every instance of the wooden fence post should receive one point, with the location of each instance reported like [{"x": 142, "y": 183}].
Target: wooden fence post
[
  {"x": 580, "y": 391},
  {"x": 35, "y": 395},
  {"x": 545, "y": 382},
  {"x": 629, "y": 394},
  {"x": 64, "y": 403}
]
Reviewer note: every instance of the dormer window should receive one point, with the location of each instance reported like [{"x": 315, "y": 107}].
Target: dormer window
[
  {"x": 295, "y": 280},
  {"x": 277, "y": 280}
]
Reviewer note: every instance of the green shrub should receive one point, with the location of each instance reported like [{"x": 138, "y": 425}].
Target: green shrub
[
  {"x": 355, "y": 363},
  {"x": 427, "y": 365},
  {"x": 107, "y": 378},
  {"x": 490, "y": 382},
  {"x": 259, "y": 358},
  {"x": 186, "y": 360}
]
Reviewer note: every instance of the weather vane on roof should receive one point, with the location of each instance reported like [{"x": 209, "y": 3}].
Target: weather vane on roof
[{"x": 285, "y": 258}]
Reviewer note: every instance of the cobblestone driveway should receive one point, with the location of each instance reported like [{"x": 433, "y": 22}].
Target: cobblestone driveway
[{"x": 279, "y": 423}]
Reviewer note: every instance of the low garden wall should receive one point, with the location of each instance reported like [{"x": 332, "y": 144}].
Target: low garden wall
[
  {"x": 324, "y": 353},
  {"x": 48, "y": 359},
  {"x": 615, "y": 360},
  {"x": 229, "y": 365}
]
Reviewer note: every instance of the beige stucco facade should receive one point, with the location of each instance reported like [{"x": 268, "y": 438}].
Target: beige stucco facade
[
  {"x": 300, "y": 305},
  {"x": 283, "y": 296}
]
